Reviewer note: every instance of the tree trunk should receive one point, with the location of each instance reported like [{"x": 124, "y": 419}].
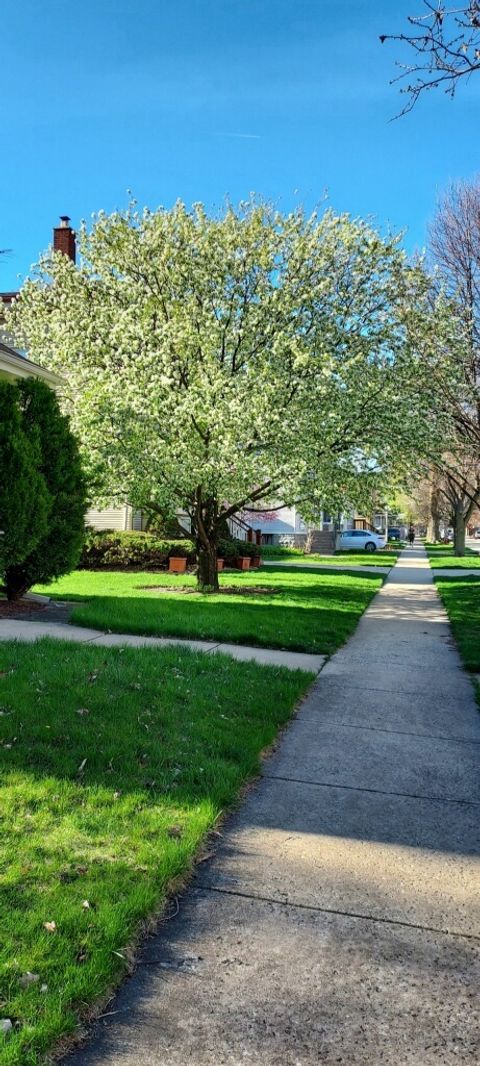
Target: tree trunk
[
  {"x": 435, "y": 509},
  {"x": 205, "y": 524},
  {"x": 207, "y": 574},
  {"x": 459, "y": 530},
  {"x": 307, "y": 547},
  {"x": 15, "y": 583}
]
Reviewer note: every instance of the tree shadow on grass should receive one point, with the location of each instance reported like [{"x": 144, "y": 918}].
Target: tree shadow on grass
[{"x": 298, "y": 616}]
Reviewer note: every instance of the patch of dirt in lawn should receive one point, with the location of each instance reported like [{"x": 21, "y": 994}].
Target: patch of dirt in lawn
[{"x": 229, "y": 590}]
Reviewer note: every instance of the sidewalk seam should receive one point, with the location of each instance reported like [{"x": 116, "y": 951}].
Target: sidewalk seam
[
  {"x": 374, "y": 791},
  {"x": 339, "y": 913},
  {"x": 397, "y": 732}
]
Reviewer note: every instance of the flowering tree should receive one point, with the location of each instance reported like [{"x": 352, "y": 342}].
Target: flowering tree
[{"x": 215, "y": 364}]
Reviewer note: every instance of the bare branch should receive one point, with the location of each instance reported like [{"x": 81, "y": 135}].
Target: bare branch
[{"x": 445, "y": 41}]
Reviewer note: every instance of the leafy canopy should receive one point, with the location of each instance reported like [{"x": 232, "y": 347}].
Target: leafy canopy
[{"x": 251, "y": 356}]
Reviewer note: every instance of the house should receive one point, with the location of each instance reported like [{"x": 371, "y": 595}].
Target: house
[
  {"x": 14, "y": 365},
  {"x": 285, "y": 526}
]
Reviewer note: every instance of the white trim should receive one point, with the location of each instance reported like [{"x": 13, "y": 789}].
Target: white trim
[{"x": 16, "y": 366}]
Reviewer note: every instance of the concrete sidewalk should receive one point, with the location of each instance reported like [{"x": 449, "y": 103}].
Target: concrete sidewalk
[
  {"x": 28, "y": 632},
  {"x": 338, "y": 922}
]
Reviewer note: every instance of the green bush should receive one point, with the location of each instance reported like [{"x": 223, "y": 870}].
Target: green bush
[
  {"x": 230, "y": 549},
  {"x": 24, "y": 499},
  {"x": 57, "y": 547},
  {"x": 107, "y": 548}
]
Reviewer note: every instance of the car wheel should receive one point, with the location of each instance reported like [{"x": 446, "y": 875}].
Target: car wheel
[{"x": 370, "y": 547}]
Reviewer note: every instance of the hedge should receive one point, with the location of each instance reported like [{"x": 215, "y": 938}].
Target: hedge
[
  {"x": 106, "y": 548},
  {"x": 230, "y": 549}
]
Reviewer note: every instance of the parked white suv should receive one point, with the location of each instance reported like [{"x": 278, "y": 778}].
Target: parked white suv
[{"x": 361, "y": 540}]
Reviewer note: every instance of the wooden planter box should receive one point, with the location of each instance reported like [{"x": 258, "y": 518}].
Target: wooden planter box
[
  {"x": 220, "y": 564},
  {"x": 255, "y": 561},
  {"x": 177, "y": 564},
  {"x": 243, "y": 562}
]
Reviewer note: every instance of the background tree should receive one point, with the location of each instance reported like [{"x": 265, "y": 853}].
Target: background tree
[
  {"x": 214, "y": 364},
  {"x": 24, "y": 498},
  {"x": 57, "y": 548},
  {"x": 455, "y": 251},
  {"x": 454, "y": 488},
  {"x": 445, "y": 40}
]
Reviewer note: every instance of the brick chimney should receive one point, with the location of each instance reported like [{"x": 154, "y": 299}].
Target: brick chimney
[{"x": 64, "y": 238}]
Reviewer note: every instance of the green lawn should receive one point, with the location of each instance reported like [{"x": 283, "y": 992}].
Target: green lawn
[
  {"x": 461, "y": 599},
  {"x": 114, "y": 764},
  {"x": 442, "y": 557},
  {"x": 378, "y": 558},
  {"x": 303, "y": 610},
  {"x": 353, "y": 558}
]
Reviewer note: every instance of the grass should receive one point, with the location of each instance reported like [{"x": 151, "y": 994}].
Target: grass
[
  {"x": 461, "y": 599},
  {"x": 115, "y": 764},
  {"x": 377, "y": 558},
  {"x": 442, "y": 557},
  {"x": 296, "y": 556},
  {"x": 303, "y": 610}
]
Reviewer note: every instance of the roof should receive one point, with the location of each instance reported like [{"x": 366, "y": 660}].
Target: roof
[{"x": 18, "y": 366}]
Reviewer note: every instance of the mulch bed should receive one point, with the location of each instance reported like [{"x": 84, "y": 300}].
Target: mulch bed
[
  {"x": 229, "y": 590},
  {"x": 9, "y": 609}
]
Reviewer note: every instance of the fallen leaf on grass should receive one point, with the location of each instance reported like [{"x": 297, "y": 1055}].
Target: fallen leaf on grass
[
  {"x": 82, "y": 711},
  {"x": 28, "y": 978},
  {"x": 82, "y": 766},
  {"x": 51, "y": 927},
  {"x": 5, "y": 1025},
  {"x": 85, "y": 905}
]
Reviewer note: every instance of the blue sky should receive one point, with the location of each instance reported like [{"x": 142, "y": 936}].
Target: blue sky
[{"x": 203, "y": 99}]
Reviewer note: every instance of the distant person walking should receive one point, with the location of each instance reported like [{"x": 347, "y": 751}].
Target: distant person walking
[{"x": 411, "y": 536}]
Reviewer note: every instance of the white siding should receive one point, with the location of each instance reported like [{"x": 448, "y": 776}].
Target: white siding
[{"x": 116, "y": 518}]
